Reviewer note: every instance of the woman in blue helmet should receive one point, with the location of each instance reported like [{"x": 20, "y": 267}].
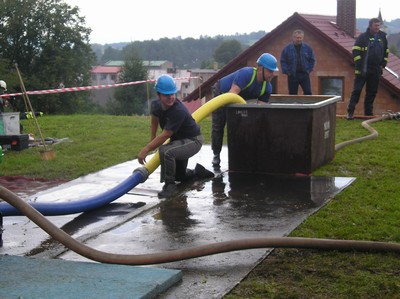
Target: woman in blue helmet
[
  {"x": 178, "y": 125},
  {"x": 249, "y": 83}
]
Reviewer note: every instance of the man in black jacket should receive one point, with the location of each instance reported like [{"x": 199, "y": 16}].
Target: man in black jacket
[{"x": 370, "y": 54}]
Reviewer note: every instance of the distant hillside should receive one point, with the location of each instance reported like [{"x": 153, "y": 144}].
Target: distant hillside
[
  {"x": 184, "y": 53},
  {"x": 392, "y": 27},
  {"x": 245, "y": 39},
  {"x": 394, "y": 40},
  {"x": 194, "y": 53}
]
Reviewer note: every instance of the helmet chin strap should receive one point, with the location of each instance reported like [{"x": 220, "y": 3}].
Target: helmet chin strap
[{"x": 263, "y": 74}]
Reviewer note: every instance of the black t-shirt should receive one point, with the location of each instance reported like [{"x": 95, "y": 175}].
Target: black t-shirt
[
  {"x": 299, "y": 67},
  {"x": 177, "y": 119}
]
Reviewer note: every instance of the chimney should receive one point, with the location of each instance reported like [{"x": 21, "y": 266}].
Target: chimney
[{"x": 346, "y": 16}]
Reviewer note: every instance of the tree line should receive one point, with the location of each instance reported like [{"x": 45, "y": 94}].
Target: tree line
[
  {"x": 132, "y": 99},
  {"x": 203, "y": 52},
  {"x": 49, "y": 42},
  {"x": 184, "y": 53}
]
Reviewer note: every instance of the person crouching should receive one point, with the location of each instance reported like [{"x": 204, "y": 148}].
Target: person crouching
[{"x": 179, "y": 127}]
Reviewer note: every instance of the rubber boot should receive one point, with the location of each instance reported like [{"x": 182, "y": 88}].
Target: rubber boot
[{"x": 201, "y": 172}]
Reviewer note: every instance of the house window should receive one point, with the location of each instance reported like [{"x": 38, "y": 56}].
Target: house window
[
  {"x": 113, "y": 77},
  {"x": 332, "y": 86},
  {"x": 103, "y": 76}
]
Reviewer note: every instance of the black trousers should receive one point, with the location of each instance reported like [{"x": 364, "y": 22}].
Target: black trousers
[
  {"x": 217, "y": 130},
  {"x": 177, "y": 150},
  {"x": 299, "y": 79},
  {"x": 218, "y": 117},
  {"x": 371, "y": 82}
]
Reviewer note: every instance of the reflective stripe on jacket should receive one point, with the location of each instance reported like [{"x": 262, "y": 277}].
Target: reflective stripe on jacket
[{"x": 362, "y": 47}]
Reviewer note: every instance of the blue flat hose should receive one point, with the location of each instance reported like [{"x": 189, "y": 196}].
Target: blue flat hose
[
  {"x": 78, "y": 206},
  {"x": 139, "y": 175}
]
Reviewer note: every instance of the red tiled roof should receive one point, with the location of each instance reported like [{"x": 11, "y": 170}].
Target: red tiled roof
[
  {"x": 106, "y": 69},
  {"x": 323, "y": 26},
  {"x": 193, "y": 105},
  {"x": 326, "y": 25}
]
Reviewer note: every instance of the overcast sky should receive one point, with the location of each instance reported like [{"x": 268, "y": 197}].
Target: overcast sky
[{"x": 138, "y": 20}]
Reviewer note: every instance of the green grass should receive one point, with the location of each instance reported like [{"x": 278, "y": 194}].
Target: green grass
[
  {"x": 94, "y": 142},
  {"x": 369, "y": 209}
]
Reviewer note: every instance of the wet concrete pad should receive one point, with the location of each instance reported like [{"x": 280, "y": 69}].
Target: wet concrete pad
[{"x": 231, "y": 206}]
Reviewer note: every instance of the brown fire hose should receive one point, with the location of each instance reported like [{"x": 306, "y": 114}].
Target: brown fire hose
[
  {"x": 209, "y": 249},
  {"x": 191, "y": 252}
]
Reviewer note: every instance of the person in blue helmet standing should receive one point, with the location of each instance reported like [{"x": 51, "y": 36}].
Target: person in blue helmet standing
[
  {"x": 180, "y": 128},
  {"x": 248, "y": 82}
]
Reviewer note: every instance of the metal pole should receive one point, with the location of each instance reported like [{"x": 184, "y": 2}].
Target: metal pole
[
  {"x": 30, "y": 105},
  {"x": 392, "y": 72}
]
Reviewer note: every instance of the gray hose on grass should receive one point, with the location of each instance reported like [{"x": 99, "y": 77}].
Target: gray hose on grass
[
  {"x": 373, "y": 133},
  {"x": 191, "y": 252}
]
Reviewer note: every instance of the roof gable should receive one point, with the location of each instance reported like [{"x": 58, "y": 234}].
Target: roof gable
[
  {"x": 114, "y": 63},
  {"x": 148, "y": 63},
  {"x": 106, "y": 69},
  {"x": 325, "y": 28},
  {"x": 154, "y": 63},
  {"x": 344, "y": 42}
]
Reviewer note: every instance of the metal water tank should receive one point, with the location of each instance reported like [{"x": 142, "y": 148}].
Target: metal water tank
[{"x": 289, "y": 135}]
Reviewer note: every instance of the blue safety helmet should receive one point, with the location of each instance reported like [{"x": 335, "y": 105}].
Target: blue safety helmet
[
  {"x": 268, "y": 61},
  {"x": 166, "y": 85}
]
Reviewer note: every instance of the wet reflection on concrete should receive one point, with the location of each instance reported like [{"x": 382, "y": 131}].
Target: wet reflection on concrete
[
  {"x": 230, "y": 206},
  {"x": 235, "y": 206},
  {"x": 175, "y": 215},
  {"x": 25, "y": 187},
  {"x": 84, "y": 220},
  {"x": 237, "y": 201}
]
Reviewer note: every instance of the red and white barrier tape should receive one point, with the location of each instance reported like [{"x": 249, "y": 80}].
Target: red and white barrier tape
[{"x": 83, "y": 88}]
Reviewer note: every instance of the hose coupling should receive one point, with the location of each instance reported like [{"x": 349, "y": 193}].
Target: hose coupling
[
  {"x": 144, "y": 172},
  {"x": 391, "y": 115}
]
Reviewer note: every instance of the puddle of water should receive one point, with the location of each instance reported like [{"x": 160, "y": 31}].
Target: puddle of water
[
  {"x": 25, "y": 187},
  {"x": 232, "y": 206}
]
